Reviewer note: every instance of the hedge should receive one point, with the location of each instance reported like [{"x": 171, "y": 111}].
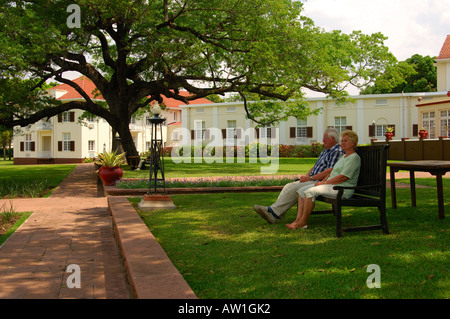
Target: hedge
[{"x": 251, "y": 150}]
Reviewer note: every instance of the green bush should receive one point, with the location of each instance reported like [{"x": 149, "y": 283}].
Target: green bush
[{"x": 251, "y": 150}]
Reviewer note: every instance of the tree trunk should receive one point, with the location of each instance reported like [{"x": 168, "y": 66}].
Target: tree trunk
[{"x": 126, "y": 141}]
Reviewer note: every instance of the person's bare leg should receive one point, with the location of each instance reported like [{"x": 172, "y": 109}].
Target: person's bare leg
[
  {"x": 305, "y": 208},
  {"x": 299, "y": 213}
]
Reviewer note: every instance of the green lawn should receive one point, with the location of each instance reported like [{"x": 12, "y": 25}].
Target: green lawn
[
  {"x": 286, "y": 166},
  {"x": 225, "y": 250},
  {"x": 30, "y": 180}
]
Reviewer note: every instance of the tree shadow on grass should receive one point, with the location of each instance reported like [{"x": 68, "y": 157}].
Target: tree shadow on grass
[{"x": 225, "y": 250}]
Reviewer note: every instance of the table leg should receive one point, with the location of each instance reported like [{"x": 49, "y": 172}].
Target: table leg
[
  {"x": 393, "y": 192},
  {"x": 440, "y": 195},
  {"x": 412, "y": 183}
]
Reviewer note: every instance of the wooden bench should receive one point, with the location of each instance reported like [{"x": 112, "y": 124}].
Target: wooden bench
[{"x": 369, "y": 192}]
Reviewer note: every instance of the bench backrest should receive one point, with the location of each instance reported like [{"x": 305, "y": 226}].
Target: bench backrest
[{"x": 373, "y": 170}]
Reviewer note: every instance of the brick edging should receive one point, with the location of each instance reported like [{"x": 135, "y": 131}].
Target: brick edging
[
  {"x": 115, "y": 191},
  {"x": 150, "y": 272}
]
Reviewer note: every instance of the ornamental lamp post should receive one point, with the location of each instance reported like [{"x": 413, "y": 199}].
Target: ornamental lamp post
[{"x": 155, "y": 199}]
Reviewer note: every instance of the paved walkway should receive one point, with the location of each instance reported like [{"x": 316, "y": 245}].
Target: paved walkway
[{"x": 72, "y": 226}]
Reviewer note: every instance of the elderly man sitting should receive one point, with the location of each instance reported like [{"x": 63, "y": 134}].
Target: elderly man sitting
[{"x": 323, "y": 167}]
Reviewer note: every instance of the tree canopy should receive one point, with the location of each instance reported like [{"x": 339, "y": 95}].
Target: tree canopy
[
  {"x": 137, "y": 51},
  {"x": 415, "y": 74}
]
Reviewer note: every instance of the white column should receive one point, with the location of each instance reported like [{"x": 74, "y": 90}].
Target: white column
[
  {"x": 185, "y": 118},
  {"x": 215, "y": 114},
  {"x": 360, "y": 121},
  {"x": 320, "y": 123}
]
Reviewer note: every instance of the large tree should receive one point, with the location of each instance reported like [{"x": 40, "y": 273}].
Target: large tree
[
  {"x": 137, "y": 51},
  {"x": 415, "y": 74}
]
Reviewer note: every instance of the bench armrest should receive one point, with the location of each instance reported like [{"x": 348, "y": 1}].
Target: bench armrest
[{"x": 337, "y": 187}]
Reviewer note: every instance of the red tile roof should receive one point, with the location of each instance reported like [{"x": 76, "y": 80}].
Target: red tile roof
[
  {"x": 88, "y": 86},
  {"x": 445, "y": 51}
]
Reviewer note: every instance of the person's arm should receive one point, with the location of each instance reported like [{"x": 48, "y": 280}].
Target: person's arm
[
  {"x": 335, "y": 180},
  {"x": 322, "y": 175},
  {"x": 306, "y": 177}
]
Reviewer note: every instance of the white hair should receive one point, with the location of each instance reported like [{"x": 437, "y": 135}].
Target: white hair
[{"x": 332, "y": 132}]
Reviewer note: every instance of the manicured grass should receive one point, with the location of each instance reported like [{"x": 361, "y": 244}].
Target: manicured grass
[
  {"x": 30, "y": 180},
  {"x": 286, "y": 166},
  {"x": 21, "y": 218},
  {"x": 225, "y": 250}
]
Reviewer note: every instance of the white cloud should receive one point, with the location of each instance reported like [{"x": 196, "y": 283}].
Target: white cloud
[{"x": 412, "y": 26}]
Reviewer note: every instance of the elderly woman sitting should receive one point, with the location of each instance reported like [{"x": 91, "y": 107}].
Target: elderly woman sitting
[{"x": 345, "y": 173}]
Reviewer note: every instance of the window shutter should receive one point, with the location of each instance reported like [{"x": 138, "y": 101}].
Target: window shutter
[
  {"x": 292, "y": 132},
  {"x": 257, "y": 133},
  {"x": 273, "y": 131},
  {"x": 192, "y": 134},
  {"x": 22, "y": 146},
  {"x": 72, "y": 146},
  {"x": 59, "y": 146},
  {"x": 60, "y": 117},
  {"x": 371, "y": 130},
  {"x": 224, "y": 133},
  {"x": 238, "y": 133},
  {"x": 72, "y": 116},
  {"x": 206, "y": 134},
  {"x": 33, "y": 146},
  {"x": 309, "y": 132},
  {"x": 415, "y": 129}
]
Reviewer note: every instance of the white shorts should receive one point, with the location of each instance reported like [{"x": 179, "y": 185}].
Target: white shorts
[{"x": 311, "y": 191}]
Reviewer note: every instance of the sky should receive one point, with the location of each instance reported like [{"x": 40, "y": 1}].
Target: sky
[{"x": 412, "y": 26}]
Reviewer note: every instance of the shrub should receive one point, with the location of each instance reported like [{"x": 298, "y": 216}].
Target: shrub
[{"x": 252, "y": 150}]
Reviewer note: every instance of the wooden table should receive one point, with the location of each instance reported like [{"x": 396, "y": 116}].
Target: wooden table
[{"x": 436, "y": 168}]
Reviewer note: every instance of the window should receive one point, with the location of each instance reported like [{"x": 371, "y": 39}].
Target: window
[
  {"x": 28, "y": 143},
  {"x": 200, "y": 110},
  {"x": 301, "y": 128},
  {"x": 265, "y": 132},
  {"x": 91, "y": 145},
  {"x": 381, "y": 102},
  {"x": 199, "y": 130},
  {"x": 66, "y": 117},
  {"x": 445, "y": 123},
  {"x": 380, "y": 130},
  {"x": 429, "y": 123},
  {"x": 340, "y": 123},
  {"x": 175, "y": 136},
  {"x": 66, "y": 142},
  {"x": 231, "y": 129},
  {"x": 231, "y": 108}
]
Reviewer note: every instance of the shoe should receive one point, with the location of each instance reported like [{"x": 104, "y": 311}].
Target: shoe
[
  {"x": 264, "y": 213},
  {"x": 304, "y": 227}
]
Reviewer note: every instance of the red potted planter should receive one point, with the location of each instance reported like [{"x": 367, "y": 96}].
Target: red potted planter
[
  {"x": 423, "y": 133},
  {"x": 389, "y": 135},
  {"x": 110, "y": 175}
]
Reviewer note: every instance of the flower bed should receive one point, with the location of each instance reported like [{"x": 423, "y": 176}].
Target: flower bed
[{"x": 213, "y": 181}]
